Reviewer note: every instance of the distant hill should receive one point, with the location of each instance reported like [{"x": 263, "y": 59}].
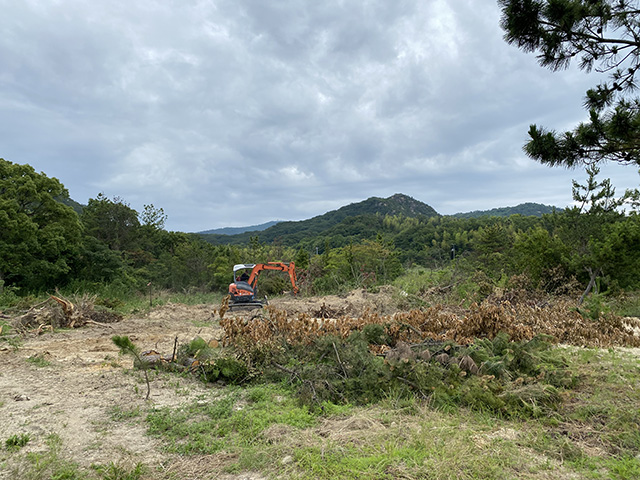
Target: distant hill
[
  {"x": 526, "y": 209},
  {"x": 353, "y": 222},
  {"x": 290, "y": 233},
  {"x": 397, "y": 204},
  {"x": 238, "y": 230}
]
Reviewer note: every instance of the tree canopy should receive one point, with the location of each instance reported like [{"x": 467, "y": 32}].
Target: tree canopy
[
  {"x": 38, "y": 234},
  {"x": 601, "y": 35},
  {"x": 112, "y": 221}
]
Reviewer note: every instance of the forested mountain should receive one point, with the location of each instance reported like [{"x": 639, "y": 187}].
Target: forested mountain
[
  {"x": 292, "y": 233},
  {"x": 527, "y": 209},
  {"x": 356, "y": 222},
  {"x": 238, "y": 230}
]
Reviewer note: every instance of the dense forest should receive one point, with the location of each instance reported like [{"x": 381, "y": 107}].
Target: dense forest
[{"x": 48, "y": 242}]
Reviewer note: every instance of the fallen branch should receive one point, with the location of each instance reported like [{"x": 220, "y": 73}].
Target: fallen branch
[
  {"x": 93, "y": 322},
  {"x": 339, "y": 361}
]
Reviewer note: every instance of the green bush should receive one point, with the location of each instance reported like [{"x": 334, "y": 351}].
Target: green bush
[
  {"x": 226, "y": 369},
  {"x": 504, "y": 377}
]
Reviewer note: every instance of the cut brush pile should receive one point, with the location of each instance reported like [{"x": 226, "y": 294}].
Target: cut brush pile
[{"x": 59, "y": 312}]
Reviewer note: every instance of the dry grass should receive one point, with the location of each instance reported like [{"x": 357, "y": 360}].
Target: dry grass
[{"x": 560, "y": 320}]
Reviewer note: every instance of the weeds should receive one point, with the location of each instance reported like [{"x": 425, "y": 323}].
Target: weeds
[
  {"x": 613, "y": 411},
  {"x": 8, "y": 335},
  {"x": 115, "y": 471},
  {"x": 38, "y": 360},
  {"x": 52, "y": 465},
  {"x": 118, "y": 413},
  {"x": 16, "y": 442},
  {"x": 46, "y": 465}
]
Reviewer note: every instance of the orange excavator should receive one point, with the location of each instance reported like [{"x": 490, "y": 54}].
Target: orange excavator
[{"x": 242, "y": 291}]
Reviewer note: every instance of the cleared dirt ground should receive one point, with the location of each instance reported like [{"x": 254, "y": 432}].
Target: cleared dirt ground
[{"x": 73, "y": 383}]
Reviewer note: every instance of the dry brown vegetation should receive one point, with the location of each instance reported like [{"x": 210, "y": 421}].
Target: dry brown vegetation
[
  {"x": 59, "y": 312},
  {"x": 520, "y": 321}
]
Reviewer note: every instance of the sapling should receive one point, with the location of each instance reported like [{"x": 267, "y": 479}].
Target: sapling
[{"x": 127, "y": 347}]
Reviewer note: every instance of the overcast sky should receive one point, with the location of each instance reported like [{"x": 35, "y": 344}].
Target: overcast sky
[{"x": 238, "y": 112}]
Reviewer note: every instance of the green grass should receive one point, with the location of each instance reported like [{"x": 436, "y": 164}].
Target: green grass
[
  {"x": 51, "y": 464},
  {"x": 115, "y": 471},
  {"x": 140, "y": 303},
  {"x": 233, "y": 421},
  {"x": 122, "y": 300},
  {"x": 606, "y": 406},
  {"x": 38, "y": 361},
  {"x": 5, "y": 329},
  {"x": 8, "y": 335},
  {"x": 126, "y": 300},
  {"x": 119, "y": 413},
  {"x": 393, "y": 453},
  {"x": 594, "y": 433},
  {"x": 626, "y": 304},
  {"x": 263, "y": 426},
  {"x": 10, "y": 301},
  {"x": 597, "y": 429},
  {"x": 459, "y": 283},
  {"x": 46, "y": 465}
]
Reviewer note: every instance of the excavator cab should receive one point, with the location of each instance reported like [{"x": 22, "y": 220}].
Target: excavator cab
[{"x": 242, "y": 291}]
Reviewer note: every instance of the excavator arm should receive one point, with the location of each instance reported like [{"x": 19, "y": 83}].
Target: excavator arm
[
  {"x": 289, "y": 268},
  {"x": 242, "y": 290}
]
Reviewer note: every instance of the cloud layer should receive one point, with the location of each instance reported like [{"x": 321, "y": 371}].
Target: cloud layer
[{"x": 230, "y": 113}]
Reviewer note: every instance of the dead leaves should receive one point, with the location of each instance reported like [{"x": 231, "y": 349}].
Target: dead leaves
[{"x": 520, "y": 322}]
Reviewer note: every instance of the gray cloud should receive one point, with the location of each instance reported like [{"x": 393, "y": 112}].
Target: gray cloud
[{"x": 234, "y": 113}]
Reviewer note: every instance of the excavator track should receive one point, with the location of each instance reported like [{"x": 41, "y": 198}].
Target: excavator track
[{"x": 248, "y": 305}]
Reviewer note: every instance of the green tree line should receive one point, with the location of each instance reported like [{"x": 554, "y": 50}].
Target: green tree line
[{"x": 45, "y": 244}]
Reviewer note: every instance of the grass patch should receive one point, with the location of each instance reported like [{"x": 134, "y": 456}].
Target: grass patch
[
  {"x": 625, "y": 305},
  {"x": 39, "y": 361},
  {"x": 593, "y": 432},
  {"x": 16, "y": 442},
  {"x": 46, "y": 465},
  {"x": 605, "y": 407},
  {"x": 264, "y": 429},
  {"x": 8, "y": 335},
  {"x": 232, "y": 422},
  {"x": 127, "y": 300},
  {"x": 51, "y": 464},
  {"x": 119, "y": 413},
  {"x": 133, "y": 304},
  {"x": 115, "y": 471}
]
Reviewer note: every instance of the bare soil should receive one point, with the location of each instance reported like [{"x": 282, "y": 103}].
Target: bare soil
[{"x": 74, "y": 383}]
